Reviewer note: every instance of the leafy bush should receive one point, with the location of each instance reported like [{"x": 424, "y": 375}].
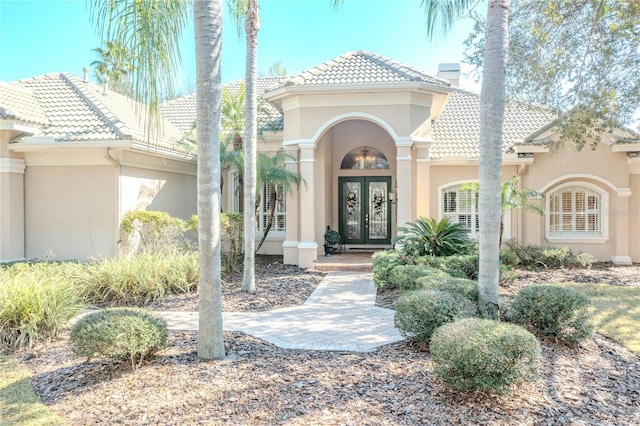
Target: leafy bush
[
  {"x": 36, "y": 301},
  {"x": 461, "y": 287},
  {"x": 538, "y": 257},
  {"x": 585, "y": 260},
  {"x": 119, "y": 333},
  {"x": 383, "y": 264},
  {"x": 553, "y": 310},
  {"x": 461, "y": 266},
  {"x": 484, "y": 355},
  {"x": 404, "y": 276},
  {"x": 557, "y": 257},
  {"x": 140, "y": 279},
  {"x": 429, "y": 237},
  {"x": 150, "y": 231},
  {"x": 509, "y": 257},
  {"x": 419, "y": 313},
  {"x": 232, "y": 249}
]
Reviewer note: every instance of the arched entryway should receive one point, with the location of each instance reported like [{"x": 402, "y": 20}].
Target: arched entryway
[
  {"x": 364, "y": 201},
  {"x": 360, "y": 170}
]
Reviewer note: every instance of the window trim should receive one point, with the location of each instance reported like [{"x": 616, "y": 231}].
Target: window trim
[
  {"x": 473, "y": 233},
  {"x": 574, "y": 238},
  {"x": 274, "y": 234}
]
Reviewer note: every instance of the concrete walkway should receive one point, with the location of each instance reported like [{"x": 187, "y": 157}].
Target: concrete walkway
[{"x": 340, "y": 315}]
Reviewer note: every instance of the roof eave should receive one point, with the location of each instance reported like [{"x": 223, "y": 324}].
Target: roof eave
[
  {"x": 48, "y": 143},
  {"x": 20, "y": 126},
  {"x": 282, "y": 92}
]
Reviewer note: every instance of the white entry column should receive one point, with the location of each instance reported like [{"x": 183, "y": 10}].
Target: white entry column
[
  {"x": 621, "y": 256},
  {"x": 403, "y": 177},
  {"x": 292, "y": 238},
  {"x": 11, "y": 208},
  {"x": 308, "y": 246}
]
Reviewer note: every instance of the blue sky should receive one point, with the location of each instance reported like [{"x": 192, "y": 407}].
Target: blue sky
[{"x": 40, "y": 37}]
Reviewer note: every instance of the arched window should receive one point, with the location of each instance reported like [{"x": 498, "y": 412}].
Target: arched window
[
  {"x": 461, "y": 206},
  {"x": 575, "y": 211},
  {"x": 364, "y": 158}
]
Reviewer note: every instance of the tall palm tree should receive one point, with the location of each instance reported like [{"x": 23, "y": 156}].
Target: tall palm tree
[
  {"x": 274, "y": 177},
  {"x": 208, "y": 33},
  {"x": 441, "y": 15},
  {"x": 247, "y": 11},
  {"x": 151, "y": 30},
  {"x": 115, "y": 64}
]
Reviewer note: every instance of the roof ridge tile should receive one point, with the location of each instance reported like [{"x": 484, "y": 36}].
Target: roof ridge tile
[{"x": 110, "y": 119}]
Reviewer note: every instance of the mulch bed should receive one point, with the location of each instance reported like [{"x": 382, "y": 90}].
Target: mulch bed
[{"x": 596, "y": 382}]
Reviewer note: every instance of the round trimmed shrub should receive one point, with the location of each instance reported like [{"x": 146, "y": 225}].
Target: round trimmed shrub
[
  {"x": 484, "y": 355},
  {"x": 419, "y": 313},
  {"x": 383, "y": 264},
  {"x": 458, "y": 287},
  {"x": 555, "y": 311},
  {"x": 404, "y": 276},
  {"x": 119, "y": 333}
]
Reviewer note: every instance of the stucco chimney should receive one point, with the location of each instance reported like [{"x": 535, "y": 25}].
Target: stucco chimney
[
  {"x": 105, "y": 86},
  {"x": 85, "y": 74},
  {"x": 450, "y": 72}
]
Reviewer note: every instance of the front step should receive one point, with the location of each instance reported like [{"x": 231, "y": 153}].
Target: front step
[{"x": 336, "y": 267}]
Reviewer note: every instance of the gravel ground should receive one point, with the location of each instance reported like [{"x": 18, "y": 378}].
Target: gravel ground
[{"x": 594, "y": 383}]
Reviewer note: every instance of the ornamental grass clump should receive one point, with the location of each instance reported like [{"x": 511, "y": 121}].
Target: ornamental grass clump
[
  {"x": 556, "y": 311},
  {"x": 36, "y": 301},
  {"x": 127, "y": 334},
  {"x": 486, "y": 355},
  {"x": 140, "y": 279},
  {"x": 419, "y": 313}
]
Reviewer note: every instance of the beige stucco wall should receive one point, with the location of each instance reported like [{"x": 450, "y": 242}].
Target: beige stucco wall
[
  {"x": 70, "y": 211},
  {"x": 404, "y": 112},
  {"x": 11, "y": 199},
  {"x": 601, "y": 167},
  {"x": 144, "y": 189},
  {"x": 11, "y": 211}
]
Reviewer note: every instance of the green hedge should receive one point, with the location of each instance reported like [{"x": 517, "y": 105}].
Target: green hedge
[
  {"x": 119, "y": 333},
  {"x": 555, "y": 311},
  {"x": 462, "y": 287},
  {"x": 484, "y": 355},
  {"x": 419, "y": 313}
]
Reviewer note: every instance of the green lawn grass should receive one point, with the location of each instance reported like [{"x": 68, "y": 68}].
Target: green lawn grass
[
  {"x": 616, "y": 311},
  {"x": 19, "y": 404}
]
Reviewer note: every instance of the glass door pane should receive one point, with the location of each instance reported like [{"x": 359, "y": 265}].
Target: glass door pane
[
  {"x": 352, "y": 210},
  {"x": 378, "y": 211}
]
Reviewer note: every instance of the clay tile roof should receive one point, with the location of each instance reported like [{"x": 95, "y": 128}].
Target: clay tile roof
[
  {"x": 18, "y": 103},
  {"x": 182, "y": 111},
  {"x": 360, "y": 67},
  {"x": 456, "y": 132},
  {"x": 80, "y": 111}
]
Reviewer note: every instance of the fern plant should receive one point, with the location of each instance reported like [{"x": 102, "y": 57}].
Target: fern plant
[{"x": 429, "y": 237}]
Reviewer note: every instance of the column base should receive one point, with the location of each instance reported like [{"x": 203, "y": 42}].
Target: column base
[
  {"x": 290, "y": 252},
  {"x": 621, "y": 260},
  {"x": 307, "y": 253}
]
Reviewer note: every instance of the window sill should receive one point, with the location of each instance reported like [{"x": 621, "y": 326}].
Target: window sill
[{"x": 576, "y": 240}]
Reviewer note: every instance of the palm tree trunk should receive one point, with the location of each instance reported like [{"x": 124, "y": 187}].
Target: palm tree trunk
[
  {"x": 490, "y": 168},
  {"x": 272, "y": 212},
  {"x": 252, "y": 25},
  {"x": 208, "y": 40}
]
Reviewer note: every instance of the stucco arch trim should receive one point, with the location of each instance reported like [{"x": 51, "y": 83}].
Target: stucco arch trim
[
  {"x": 604, "y": 211},
  {"x": 313, "y": 141},
  {"x": 581, "y": 177}
]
